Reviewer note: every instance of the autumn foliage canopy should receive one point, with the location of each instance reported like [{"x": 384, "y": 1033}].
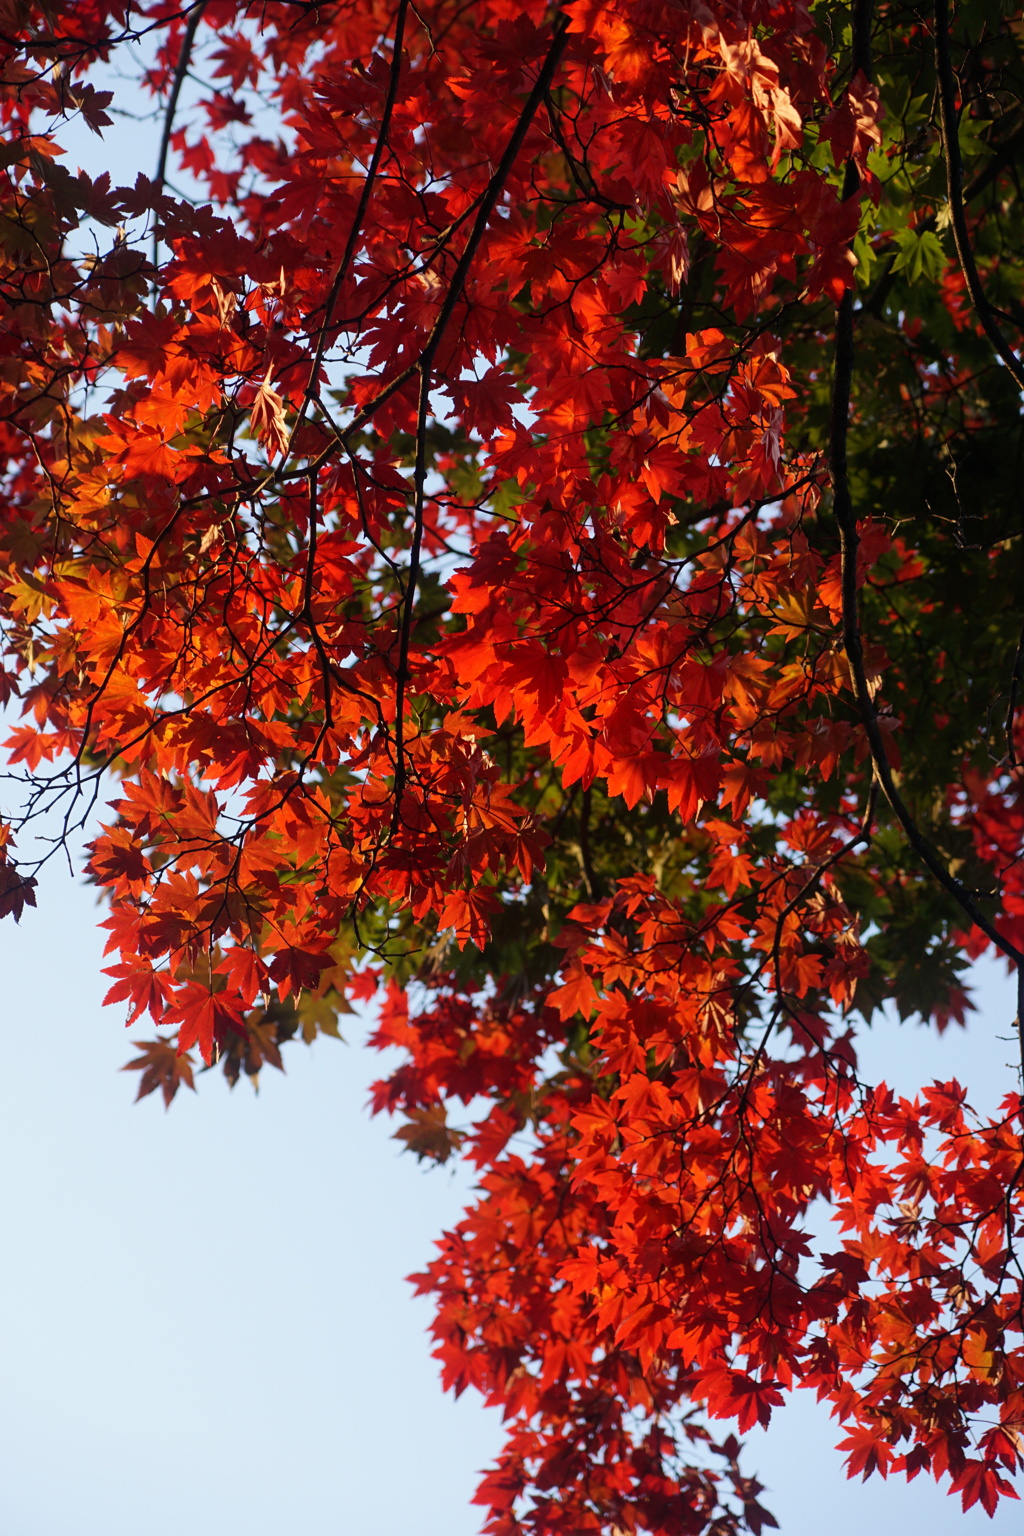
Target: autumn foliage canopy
[{"x": 517, "y": 515}]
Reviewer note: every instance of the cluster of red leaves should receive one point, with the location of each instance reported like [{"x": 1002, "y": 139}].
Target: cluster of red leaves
[
  {"x": 653, "y": 1246},
  {"x": 388, "y": 475}
]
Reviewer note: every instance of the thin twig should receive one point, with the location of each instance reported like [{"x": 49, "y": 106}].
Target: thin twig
[
  {"x": 409, "y": 596},
  {"x": 307, "y": 608},
  {"x": 424, "y": 367},
  {"x": 487, "y": 204},
  {"x": 365, "y": 194},
  {"x": 863, "y": 835},
  {"x": 1011, "y": 708},
  {"x": 184, "y": 58}
]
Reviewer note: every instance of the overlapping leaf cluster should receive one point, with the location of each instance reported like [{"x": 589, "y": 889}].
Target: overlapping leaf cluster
[{"x": 538, "y": 533}]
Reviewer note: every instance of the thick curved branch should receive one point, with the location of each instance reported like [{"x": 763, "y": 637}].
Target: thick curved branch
[
  {"x": 946, "y": 82},
  {"x": 846, "y": 521},
  {"x": 849, "y": 543}
]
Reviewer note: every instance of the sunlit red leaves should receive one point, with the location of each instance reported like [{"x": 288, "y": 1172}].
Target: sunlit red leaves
[
  {"x": 267, "y": 419},
  {"x": 296, "y": 969},
  {"x": 142, "y": 987},
  {"x": 867, "y": 1452},
  {"x": 852, "y": 127},
  {"x": 731, "y": 1395},
  {"x": 467, "y": 912},
  {"x": 119, "y": 863},
  {"x": 979, "y": 1482},
  {"x": 149, "y": 450},
  {"x": 205, "y": 1018}
]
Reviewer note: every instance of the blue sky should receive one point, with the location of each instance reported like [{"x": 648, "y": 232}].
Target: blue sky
[{"x": 204, "y": 1320}]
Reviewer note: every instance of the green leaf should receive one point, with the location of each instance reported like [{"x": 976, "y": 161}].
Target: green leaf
[{"x": 920, "y": 255}]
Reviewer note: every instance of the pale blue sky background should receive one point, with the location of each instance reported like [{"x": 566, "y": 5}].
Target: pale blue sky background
[{"x": 203, "y": 1322}]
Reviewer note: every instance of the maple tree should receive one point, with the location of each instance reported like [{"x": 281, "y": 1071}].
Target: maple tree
[{"x": 528, "y": 532}]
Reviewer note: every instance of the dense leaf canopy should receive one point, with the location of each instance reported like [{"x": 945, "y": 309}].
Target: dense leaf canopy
[{"x": 519, "y": 515}]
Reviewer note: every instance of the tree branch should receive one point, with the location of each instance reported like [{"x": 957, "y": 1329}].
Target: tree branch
[
  {"x": 184, "y": 58},
  {"x": 946, "y": 82},
  {"x": 846, "y": 521},
  {"x": 357, "y": 223},
  {"x": 424, "y": 367}
]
